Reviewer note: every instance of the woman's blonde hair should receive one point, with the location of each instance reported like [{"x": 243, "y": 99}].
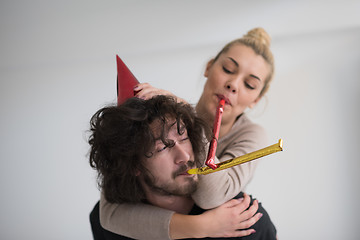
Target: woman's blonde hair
[{"x": 258, "y": 40}]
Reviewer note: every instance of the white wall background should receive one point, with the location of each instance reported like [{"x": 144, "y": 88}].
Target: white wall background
[{"x": 57, "y": 67}]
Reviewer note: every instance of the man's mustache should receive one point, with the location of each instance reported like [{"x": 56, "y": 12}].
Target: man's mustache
[{"x": 183, "y": 168}]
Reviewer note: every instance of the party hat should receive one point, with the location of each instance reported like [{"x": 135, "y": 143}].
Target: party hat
[{"x": 125, "y": 82}]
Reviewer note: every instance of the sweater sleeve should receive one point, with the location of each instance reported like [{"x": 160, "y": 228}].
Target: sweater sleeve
[
  {"x": 217, "y": 188},
  {"x": 138, "y": 221}
]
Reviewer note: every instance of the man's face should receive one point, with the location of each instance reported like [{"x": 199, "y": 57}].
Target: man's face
[{"x": 168, "y": 165}]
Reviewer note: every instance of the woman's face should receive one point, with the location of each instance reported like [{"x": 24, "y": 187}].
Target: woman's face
[{"x": 238, "y": 76}]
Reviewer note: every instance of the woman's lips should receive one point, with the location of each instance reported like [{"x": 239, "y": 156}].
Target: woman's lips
[{"x": 227, "y": 101}]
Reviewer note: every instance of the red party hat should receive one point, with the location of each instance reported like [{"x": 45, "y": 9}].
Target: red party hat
[{"x": 125, "y": 82}]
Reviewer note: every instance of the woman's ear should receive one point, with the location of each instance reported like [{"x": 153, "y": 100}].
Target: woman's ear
[{"x": 208, "y": 66}]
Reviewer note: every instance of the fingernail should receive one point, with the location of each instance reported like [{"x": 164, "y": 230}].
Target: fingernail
[
  {"x": 253, "y": 231},
  {"x": 240, "y": 199},
  {"x": 135, "y": 87},
  {"x": 261, "y": 215}
]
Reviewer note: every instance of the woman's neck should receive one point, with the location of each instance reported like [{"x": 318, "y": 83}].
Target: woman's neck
[
  {"x": 225, "y": 129},
  {"x": 209, "y": 118}
]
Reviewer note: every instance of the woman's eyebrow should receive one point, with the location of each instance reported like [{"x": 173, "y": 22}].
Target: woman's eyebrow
[
  {"x": 252, "y": 75},
  {"x": 235, "y": 62},
  {"x": 237, "y": 65}
]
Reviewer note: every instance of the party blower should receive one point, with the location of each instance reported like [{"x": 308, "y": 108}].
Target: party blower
[{"x": 126, "y": 82}]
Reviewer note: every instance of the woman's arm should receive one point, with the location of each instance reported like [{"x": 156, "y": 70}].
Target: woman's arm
[
  {"x": 216, "y": 188},
  {"x": 225, "y": 221},
  {"x": 143, "y": 221},
  {"x": 138, "y": 221}
]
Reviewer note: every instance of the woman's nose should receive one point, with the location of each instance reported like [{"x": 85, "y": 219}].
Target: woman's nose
[{"x": 231, "y": 86}]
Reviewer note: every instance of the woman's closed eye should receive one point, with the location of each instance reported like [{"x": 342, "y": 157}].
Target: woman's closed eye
[
  {"x": 226, "y": 70},
  {"x": 247, "y": 85}
]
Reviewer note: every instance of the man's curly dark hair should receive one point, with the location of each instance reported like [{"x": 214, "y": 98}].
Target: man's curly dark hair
[{"x": 121, "y": 137}]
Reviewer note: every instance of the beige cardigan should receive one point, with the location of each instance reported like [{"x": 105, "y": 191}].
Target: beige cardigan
[{"x": 143, "y": 221}]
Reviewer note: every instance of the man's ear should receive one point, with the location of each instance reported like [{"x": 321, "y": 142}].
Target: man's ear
[
  {"x": 254, "y": 102},
  {"x": 208, "y": 66}
]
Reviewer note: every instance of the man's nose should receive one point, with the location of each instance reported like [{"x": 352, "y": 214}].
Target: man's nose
[{"x": 182, "y": 155}]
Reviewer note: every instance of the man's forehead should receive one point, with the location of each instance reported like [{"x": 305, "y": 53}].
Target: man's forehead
[{"x": 158, "y": 125}]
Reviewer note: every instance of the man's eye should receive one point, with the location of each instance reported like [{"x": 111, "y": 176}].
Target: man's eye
[
  {"x": 184, "y": 139},
  {"x": 162, "y": 149}
]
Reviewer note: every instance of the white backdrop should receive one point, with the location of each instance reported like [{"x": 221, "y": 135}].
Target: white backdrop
[{"x": 57, "y": 67}]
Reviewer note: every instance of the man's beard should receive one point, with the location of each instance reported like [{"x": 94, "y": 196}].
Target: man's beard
[{"x": 172, "y": 187}]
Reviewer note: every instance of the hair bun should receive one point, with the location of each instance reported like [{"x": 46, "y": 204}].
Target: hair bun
[{"x": 259, "y": 34}]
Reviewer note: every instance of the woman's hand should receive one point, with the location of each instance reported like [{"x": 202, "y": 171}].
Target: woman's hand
[
  {"x": 146, "y": 91},
  {"x": 232, "y": 219}
]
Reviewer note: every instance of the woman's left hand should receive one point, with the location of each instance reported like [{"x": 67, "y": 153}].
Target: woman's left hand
[{"x": 146, "y": 91}]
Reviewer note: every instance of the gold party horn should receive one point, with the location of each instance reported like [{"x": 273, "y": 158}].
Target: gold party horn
[{"x": 240, "y": 160}]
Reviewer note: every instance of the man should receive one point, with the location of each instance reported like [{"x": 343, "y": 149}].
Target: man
[{"x": 142, "y": 151}]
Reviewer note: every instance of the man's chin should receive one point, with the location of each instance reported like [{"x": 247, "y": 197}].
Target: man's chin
[
  {"x": 189, "y": 186},
  {"x": 187, "y": 179},
  {"x": 179, "y": 185}
]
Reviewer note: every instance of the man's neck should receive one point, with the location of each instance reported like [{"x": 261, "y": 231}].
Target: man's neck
[{"x": 179, "y": 204}]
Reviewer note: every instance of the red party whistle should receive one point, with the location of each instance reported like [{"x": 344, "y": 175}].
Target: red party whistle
[{"x": 216, "y": 129}]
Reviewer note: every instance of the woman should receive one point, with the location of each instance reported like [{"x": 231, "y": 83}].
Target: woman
[{"x": 241, "y": 74}]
